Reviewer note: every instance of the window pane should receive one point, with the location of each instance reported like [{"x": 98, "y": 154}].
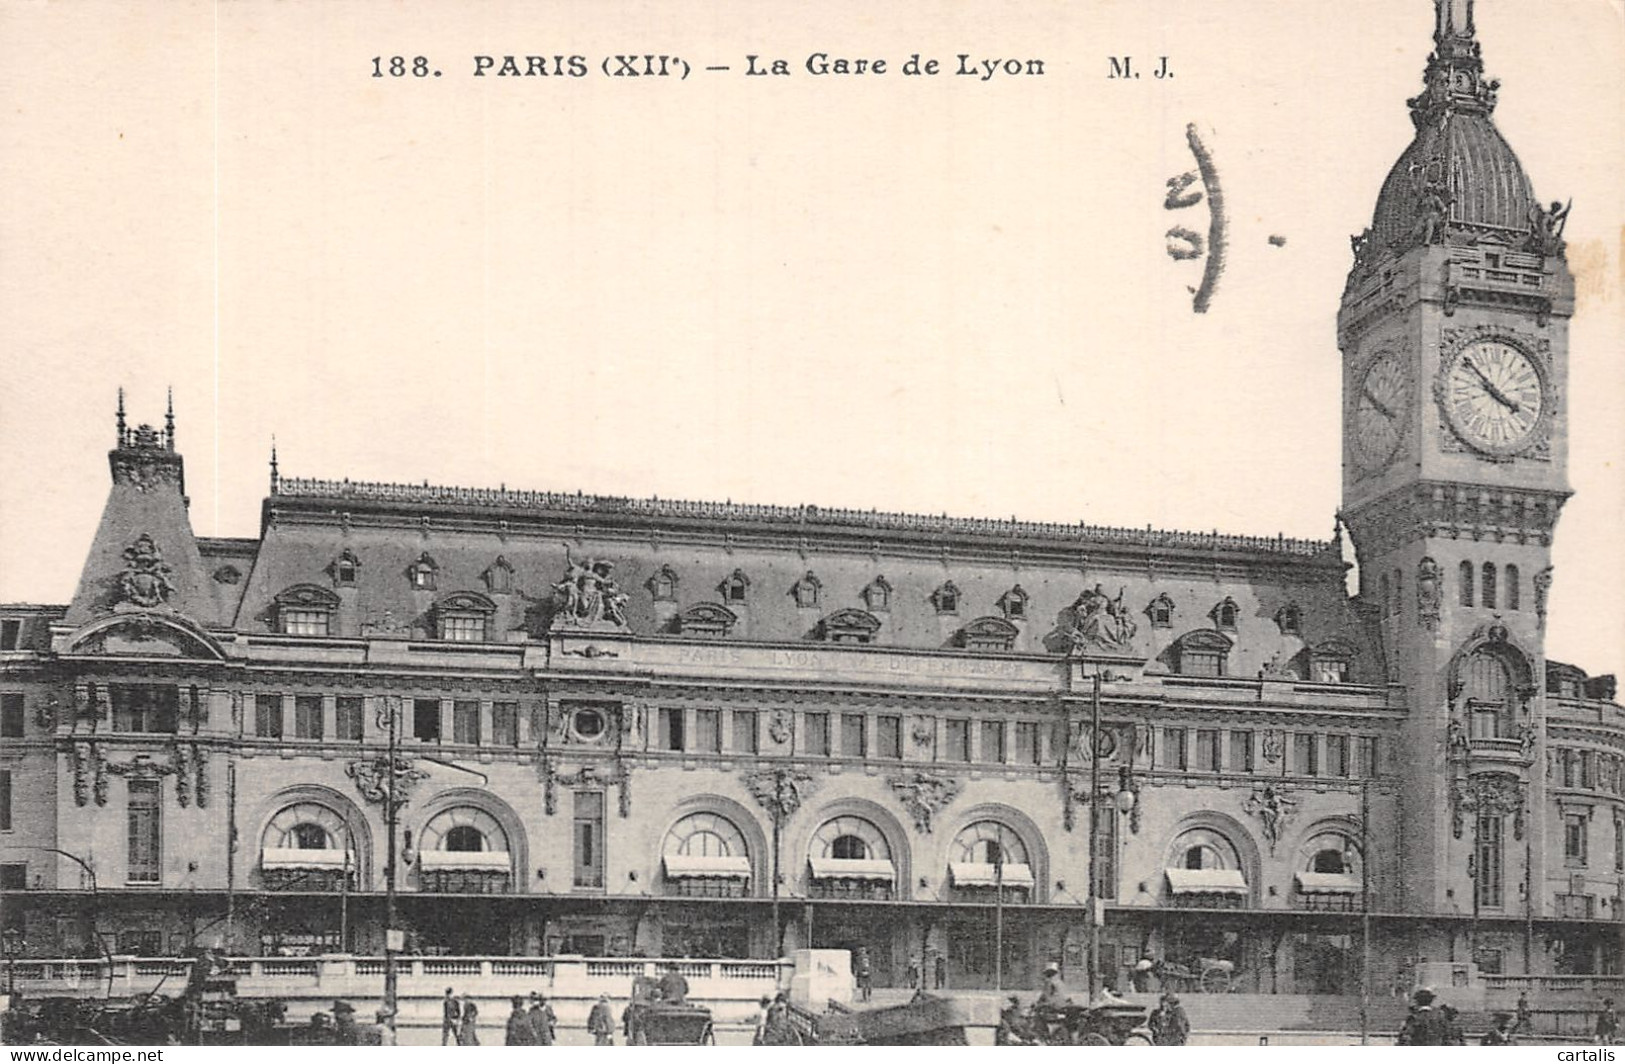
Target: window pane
[
  {"x": 11, "y": 716},
  {"x": 5, "y": 800},
  {"x": 505, "y": 724},
  {"x": 745, "y": 724},
  {"x": 1306, "y": 754},
  {"x": 1241, "y": 751},
  {"x": 307, "y": 717},
  {"x": 1337, "y": 754},
  {"x": 348, "y": 718},
  {"x": 1027, "y": 748},
  {"x": 462, "y": 628},
  {"x": 853, "y": 737},
  {"x": 589, "y": 839},
  {"x": 957, "y": 738},
  {"x": 426, "y": 719},
  {"x": 671, "y": 729},
  {"x": 708, "y": 731},
  {"x": 144, "y": 831},
  {"x": 305, "y": 622},
  {"x": 1208, "y": 753},
  {"x": 889, "y": 737},
  {"x": 268, "y": 716},
  {"x": 993, "y": 742},
  {"x": 817, "y": 734},
  {"x": 465, "y": 723},
  {"x": 1172, "y": 753}
]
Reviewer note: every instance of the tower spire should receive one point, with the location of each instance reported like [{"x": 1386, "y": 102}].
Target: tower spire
[
  {"x": 1454, "y": 19},
  {"x": 123, "y": 431},
  {"x": 169, "y": 421},
  {"x": 276, "y": 479},
  {"x": 1455, "y": 71}
]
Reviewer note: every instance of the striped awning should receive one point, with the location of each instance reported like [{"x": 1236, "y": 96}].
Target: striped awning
[
  {"x": 715, "y": 867},
  {"x": 465, "y": 861},
  {"x": 280, "y": 858},
  {"x": 842, "y": 868},
  {"x": 1206, "y": 881},
  {"x": 986, "y": 875},
  {"x": 1329, "y": 883}
]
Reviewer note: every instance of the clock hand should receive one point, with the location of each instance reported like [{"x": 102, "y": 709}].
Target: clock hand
[
  {"x": 1495, "y": 393},
  {"x": 1377, "y": 404}
]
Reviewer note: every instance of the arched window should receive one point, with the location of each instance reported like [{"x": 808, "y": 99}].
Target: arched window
[
  {"x": 1488, "y": 692},
  {"x": 705, "y": 856},
  {"x": 1225, "y": 615},
  {"x": 735, "y": 587},
  {"x": 305, "y": 847},
  {"x": 1486, "y": 587},
  {"x": 1329, "y": 877},
  {"x": 1204, "y": 870},
  {"x": 1161, "y": 612},
  {"x": 464, "y": 850},
  {"x": 850, "y": 858},
  {"x": 988, "y": 854},
  {"x": 1466, "y": 580},
  {"x": 1514, "y": 590},
  {"x": 310, "y": 837}
]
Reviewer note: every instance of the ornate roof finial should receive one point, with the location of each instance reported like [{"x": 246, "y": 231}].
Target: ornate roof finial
[
  {"x": 275, "y": 479},
  {"x": 123, "y": 431},
  {"x": 169, "y": 421},
  {"x": 1455, "y": 19},
  {"x": 1455, "y": 71}
]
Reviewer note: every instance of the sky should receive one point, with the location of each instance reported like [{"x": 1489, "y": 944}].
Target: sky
[{"x": 932, "y": 293}]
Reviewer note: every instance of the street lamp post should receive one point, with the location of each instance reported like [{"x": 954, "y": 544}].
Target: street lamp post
[
  {"x": 779, "y": 792},
  {"x": 391, "y": 817},
  {"x": 998, "y": 918},
  {"x": 1094, "y": 832}
]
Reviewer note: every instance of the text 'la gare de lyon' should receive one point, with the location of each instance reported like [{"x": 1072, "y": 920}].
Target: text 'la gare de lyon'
[{"x": 818, "y": 64}]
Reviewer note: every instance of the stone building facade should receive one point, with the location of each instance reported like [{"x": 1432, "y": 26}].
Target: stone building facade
[{"x": 620, "y": 727}]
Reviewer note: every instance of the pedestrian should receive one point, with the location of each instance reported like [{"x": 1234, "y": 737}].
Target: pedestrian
[
  {"x": 914, "y": 974},
  {"x": 468, "y": 1034},
  {"x": 519, "y": 1030},
  {"x": 1525, "y": 1023},
  {"x": 1424, "y": 1026},
  {"x": 450, "y": 1013},
  {"x": 1141, "y": 978},
  {"x": 779, "y": 1030},
  {"x": 344, "y": 1029},
  {"x": 761, "y": 1022},
  {"x": 385, "y": 1026},
  {"x": 601, "y": 1022},
  {"x": 1453, "y": 1034},
  {"x": 543, "y": 1022},
  {"x": 1169, "y": 1024},
  {"x": 1501, "y": 1033},
  {"x": 863, "y": 973},
  {"x": 941, "y": 971},
  {"x": 1607, "y": 1024}
]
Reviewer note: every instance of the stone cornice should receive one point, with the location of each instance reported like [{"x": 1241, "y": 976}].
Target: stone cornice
[{"x": 1442, "y": 509}]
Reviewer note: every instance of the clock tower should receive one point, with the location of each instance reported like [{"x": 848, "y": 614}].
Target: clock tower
[{"x": 1454, "y": 333}]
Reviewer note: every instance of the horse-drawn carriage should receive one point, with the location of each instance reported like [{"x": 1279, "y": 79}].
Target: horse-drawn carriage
[
  {"x": 1107, "y": 1021},
  {"x": 660, "y": 1015},
  {"x": 1208, "y": 975}
]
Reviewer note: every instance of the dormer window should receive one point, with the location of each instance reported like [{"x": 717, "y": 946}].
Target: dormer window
[
  {"x": 663, "y": 584},
  {"x": 306, "y": 610},
  {"x": 1289, "y": 619},
  {"x": 346, "y": 568},
  {"x": 1161, "y": 612},
  {"x": 464, "y": 617},
  {"x": 946, "y": 598},
  {"x": 877, "y": 596},
  {"x": 849, "y": 626},
  {"x": 1331, "y": 661},
  {"x": 735, "y": 588},
  {"x": 989, "y": 634},
  {"x": 1203, "y": 652},
  {"x": 1225, "y": 615},
  {"x": 421, "y": 573},
  {"x": 707, "y": 620},
  {"x": 806, "y": 591},
  {"x": 499, "y": 577},
  {"x": 1014, "y": 604}
]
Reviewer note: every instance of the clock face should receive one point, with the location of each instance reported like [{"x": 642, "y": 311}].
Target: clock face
[
  {"x": 1380, "y": 406},
  {"x": 1493, "y": 396}
]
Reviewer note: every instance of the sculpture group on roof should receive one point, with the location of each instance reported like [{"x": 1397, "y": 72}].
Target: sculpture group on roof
[{"x": 589, "y": 593}]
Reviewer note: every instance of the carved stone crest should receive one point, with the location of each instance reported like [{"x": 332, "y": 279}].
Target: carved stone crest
[
  {"x": 1428, "y": 593},
  {"x": 778, "y": 727},
  {"x": 780, "y": 791},
  {"x": 1274, "y": 808},
  {"x": 1274, "y": 746},
  {"x": 84, "y": 756},
  {"x": 588, "y": 595},
  {"x": 145, "y": 581},
  {"x": 924, "y": 795},
  {"x": 372, "y": 779},
  {"x": 1498, "y": 794},
  {"x": 923, "y": 731},
  {"x": 1543, "y": 587}
]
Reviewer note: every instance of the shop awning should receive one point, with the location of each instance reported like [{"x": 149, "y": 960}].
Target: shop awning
[
  {"x": 277, "y": 858},
  {"x": 465, "y": 861},
  {"x": 1206, "y": 881},
  {"x": 841, "y": 868},
  {"x": 1329, "y": 883},
  {"x": 730, "y": 867},
  {"x": 985, "y": 875}
]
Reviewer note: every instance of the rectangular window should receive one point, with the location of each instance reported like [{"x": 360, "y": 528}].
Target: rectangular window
[
  {"x": 11, "y": 716},
  {"x": 1201, "y": 663},
  {"x": 11, "y": 634},
  {"x": 145, "y": 709},
  {"x": 1173, "y": 753},
  {"x": 817, "y": 726},
  {"x": 854, "y": 735},
  {"x": 426, "y": 719},
  {"x": 1028, "y": 751},
  {"x": 993, "y": 742},
  {"x": 347, "y": 718},
  {"x": 268, "y": 716},
  {"x": 1574, "y": 839},
  {"x": 1331, "y": 670},
  {"x": 671, "y": 730},
  {"x": 463, "y": 628},
  {"x": 305, "y": 622},
  {"x": 1619, "y": 845},
  {"x": 889, "y": 737},
  {"x": 1570, "y": 766},
  {"x": 13, "y": 877},
  {"x": 708, "y": 731},
  {"x": 505, "y": 724},
  {"x": 1209, "y": 750},
  {"x": 957, "y": 737},
  {"x": 1337, "y": 755},
  {"x": 1241, "y": 751},
  {"x": 1306, "y": 754},
  {"x": 1369, "y": 751},
  {"x": 589, "y": 839},
  {"x": 307, "y": 717},
  {"x": 465, "y": 722},
  {"x": 5, "y": 799},
  {"x": 1488, "y": 874},
  {"x": 745, "y": 731},
  {"x": 1585, "y": 768},
  {"x": 145, "y": 832},
  {"x": 1105, "y": 875}
]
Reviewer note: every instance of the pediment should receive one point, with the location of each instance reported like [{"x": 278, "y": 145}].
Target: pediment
[
  {"x": 992, "y": 628},
  {"x": 1205, "y": 639},
  {"x": 852, "y": 620},
  {"x": 707, "y": 617},
  {"x": 307, "y": 596},
  {"x": 145, "y": 635},
  {"x": 465, "y": 602}
]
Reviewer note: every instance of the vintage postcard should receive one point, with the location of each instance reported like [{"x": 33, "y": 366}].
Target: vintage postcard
[{"x": 770, "y": 523}]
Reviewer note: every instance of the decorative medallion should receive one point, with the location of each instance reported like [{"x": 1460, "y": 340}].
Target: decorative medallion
[
  {"x": 1274, "y": 746},
  {"x": 779, "y": 726},
  {"x": 145, "y": 581},
  {"x": 924, "y": 795}
]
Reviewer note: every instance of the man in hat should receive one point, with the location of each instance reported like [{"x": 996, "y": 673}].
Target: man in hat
[
  {"x": 1424, "y": 1026},
  {"x": 1169, "y": 1024},
  {"x": 520, "y": 1032},
  {"x": 601, "y": 1022},
  {"x": 451, "y": 1011},
  {"x": 344, "y": 1029},
  {"x": 1054, "y": 995},
  {"x": 863, "y": 973},
  {"x": 1607, "y": 1024},
  {"x": 1501, "y": 1033},
  {"x": 1525, "y": 1023},
  {"x": 542, "y": 1020},
  {"x": 778, "y": 1030}
]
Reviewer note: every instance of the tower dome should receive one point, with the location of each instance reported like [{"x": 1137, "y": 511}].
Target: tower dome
[{"x": 1458, "y": 173}]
